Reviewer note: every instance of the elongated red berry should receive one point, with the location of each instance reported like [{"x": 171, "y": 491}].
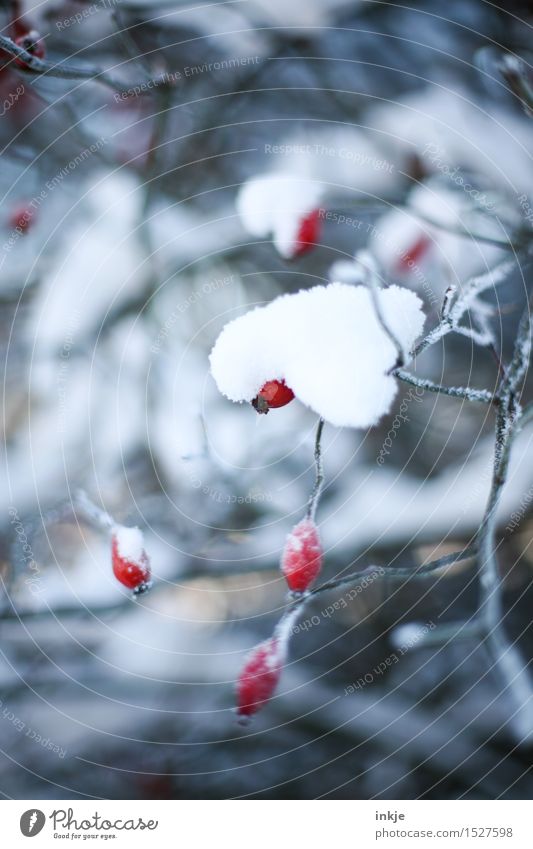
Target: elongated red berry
[
  {"x": 259, "y": 677},
  {"x": 301, "y": 560},
  {"x": 413, "y": 254},
  {"x": 274, "y": 393},
  {"x": 131, "y": 565},
  {"x": 32, "y": 42},
  {"x": 308, "y": 232}
]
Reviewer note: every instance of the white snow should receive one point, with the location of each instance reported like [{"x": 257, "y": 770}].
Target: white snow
[
  {"x": 276, "y": 204},
  {"x": 130, "y": 543},
  {"x": 328, "y": 346}
]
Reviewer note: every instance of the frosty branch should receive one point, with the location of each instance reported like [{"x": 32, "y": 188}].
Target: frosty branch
[{"x": 31, "y": 63}]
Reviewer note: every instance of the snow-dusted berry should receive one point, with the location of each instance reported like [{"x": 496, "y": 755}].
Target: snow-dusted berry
[
  {"x": 131, "y": 565},
  {"x": 285, "y": 207},
  {"x": 308, "y": 233},
  {"x": 32, "y": 42},
  {"x": 301, "y": 560},
  {"x": 259, "y": 677},
  {"x": 274, "y": 393}
]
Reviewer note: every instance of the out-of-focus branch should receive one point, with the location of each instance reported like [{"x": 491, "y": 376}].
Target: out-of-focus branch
[
  {"x": 65, "y": 71},
  {"x": 507, "y": 657}
]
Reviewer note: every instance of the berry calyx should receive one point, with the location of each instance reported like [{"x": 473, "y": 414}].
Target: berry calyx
[
  {"x": 131, "y": 565},
  {"x": 301, "y": 560},
  {"x": 33, "y": 43},
  {"x": 259, "y": 677},
  {"x": 308, "y": 232},
  {"x": 274, "y": 393}
]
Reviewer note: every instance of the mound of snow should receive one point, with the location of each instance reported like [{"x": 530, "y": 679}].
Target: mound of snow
[{"x": 327, "y": 344}]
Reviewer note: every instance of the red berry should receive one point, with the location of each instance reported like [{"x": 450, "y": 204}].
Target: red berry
[
  {"x": 413, "y": 254},
  {"x": 130, "y": 561},
  {"x": 308, "y": 232},
  {"x": 259, "y": 677},
  {"x": 301, "y": 560},
  {"x": 33, "y": 43},
  {"x": 273, "y": 394},
  {"x": 20, "y": 218}
]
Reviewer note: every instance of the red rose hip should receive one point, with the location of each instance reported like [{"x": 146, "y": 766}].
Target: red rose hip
[
  {"x": 259, "y": 677},
  {"x": 301, "y": 560},
  {"x": 131, "y": 565},
  {"x": 308, "y": 232},
  {"x": 20, "y": 218},
  {"x": 273, "y": 394}
]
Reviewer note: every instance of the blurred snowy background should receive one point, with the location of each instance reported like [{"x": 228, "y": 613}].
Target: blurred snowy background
[{"x": 130, "y": 258}]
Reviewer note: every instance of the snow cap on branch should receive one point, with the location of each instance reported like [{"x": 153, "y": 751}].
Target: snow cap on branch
[
  {"x": 284, "y": 206},
  {"x": 327, "y": 344}
]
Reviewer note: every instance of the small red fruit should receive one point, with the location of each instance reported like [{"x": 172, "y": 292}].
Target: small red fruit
[
  {"x": 131, "y": 565},
  {"x": 414, "y": 254},
  {"x": 274, "y": 394},
  {"x": 308, "y": 232},
  {"x": 259, "y": 677},
  {"x": 301, "y": 560},
  {"x": 20, "y": 218},
  {"x": 33, "y": 43}
]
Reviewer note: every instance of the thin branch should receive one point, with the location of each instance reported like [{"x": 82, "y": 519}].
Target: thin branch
[
  {"x": 452, "y": 632},
  {"x": 394, "y": 572},
  {"x": 319, "y": 473},
  {"x": 366, "y": 260},
  {"x": 65, "y": 71},
  {"x": 464, "y": 232},
  {"x": 507, "y": 657},
  {"x": 481, "y": 395},
  {"x": 455, "y": 312}
]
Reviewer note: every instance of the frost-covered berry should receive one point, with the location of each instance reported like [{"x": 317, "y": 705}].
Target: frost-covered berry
[
  {"x": 131, "y": 565},
  {"x": 274, "y": 393},
  {"x": 259, "y": 677},
  {"x": 301, "y": 560},
  {"x": 33, "y": 43}
]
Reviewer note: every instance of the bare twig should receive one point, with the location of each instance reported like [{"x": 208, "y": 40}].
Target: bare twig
[
  {"x": 507, "y": 657},
  {"x": 374, "y": 573},
  {"x": 319, "y": 473},
  {"x": 367, "y": 262}
]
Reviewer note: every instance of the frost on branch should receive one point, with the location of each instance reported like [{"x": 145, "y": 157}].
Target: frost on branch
[
  {"x": 284, "y": 207},
  {"x": 327, "y": 344}
]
